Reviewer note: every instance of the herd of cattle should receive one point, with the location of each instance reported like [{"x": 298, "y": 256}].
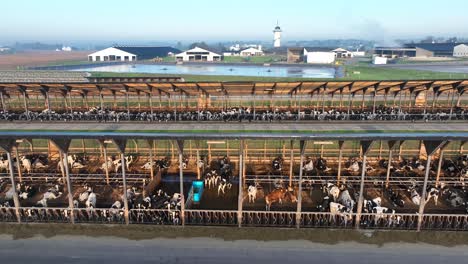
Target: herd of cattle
[
  {"x": 342, "y": 198},
  {"x": 237, "y": 114},
  {"x": 336, "y": 198}
]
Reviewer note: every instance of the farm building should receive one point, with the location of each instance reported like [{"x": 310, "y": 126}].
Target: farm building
[
  {"x": 319, "y": 56},
  {"x": 419, "y": 50},
  {"x": 299, "y": 54},
  {"x": 121, "y": 53},
  {"x": 252, "y": 52},
  {"x": 395, "y": 52},
  {"x": 198, "y": 54},
  {"x": 460, "y": 50},
  {"x": 342, "y": 53},
  {"x": 379, "y": 60}
]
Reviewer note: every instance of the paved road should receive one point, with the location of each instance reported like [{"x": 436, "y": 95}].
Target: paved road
[
  {"x": 81, "y": 249},
  {"x": 354, "y": 126}
]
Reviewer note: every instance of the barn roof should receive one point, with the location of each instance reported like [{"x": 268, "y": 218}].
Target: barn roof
[{"x": 148, "y": 52}]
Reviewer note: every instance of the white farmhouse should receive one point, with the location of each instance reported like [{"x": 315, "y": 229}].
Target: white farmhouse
[
  {"x": 198, "y": 54},
  {"x": 342, "y": 53}
]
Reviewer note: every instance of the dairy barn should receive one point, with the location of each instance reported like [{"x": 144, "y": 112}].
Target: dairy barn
[
  {"x": 131, "y": 53},
  {"x": 185, "y": 174}
]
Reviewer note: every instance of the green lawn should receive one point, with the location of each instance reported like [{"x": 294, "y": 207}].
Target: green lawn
[
  {"x": 361, "y": 72},
  {"x": 255, "y": 59}
]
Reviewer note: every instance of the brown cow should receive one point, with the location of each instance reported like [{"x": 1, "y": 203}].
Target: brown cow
[{"x": 279, "y": 195}]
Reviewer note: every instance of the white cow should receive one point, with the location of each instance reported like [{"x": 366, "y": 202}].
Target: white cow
[
  {"x": 309, "y": 166},
  {"x": 415, "y": 197},
  {"x": 26, "y": 163},
  {"x": 48, "y": 196},
  {"x": 433, "y": 193},
  {"x": 147, "y": 165},
  {"x": 332, "y": 191},
  {"x": 354, "y": 167},
  {"x": 4, "y": 165},
  {"x": 91, "y": 201},
  {"x": 108, "y": 163},
  {"x": 381, "y": 212},
  {"x": 37, "y": 164},
  {"x": 252, "y": 193}
]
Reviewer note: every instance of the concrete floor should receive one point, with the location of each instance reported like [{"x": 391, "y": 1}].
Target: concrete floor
[
  {"x": 289, "y": 126},
  {"x": 83, "y": 249}
]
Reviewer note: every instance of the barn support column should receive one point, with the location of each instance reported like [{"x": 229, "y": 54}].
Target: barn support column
[
  {"x": 299, "y": 194},
  {"x": 121, "y": 144},
  {"x": 7, "y": 145},
  {"x": 70, "y": 101},
  {"x": 340, "y": 157},
  {"x": 63, "y": 145},
  {"x": 151, "y": 157},
  {"x": 47, "y": 100},
  {"x": 101, "y": 99},
  {"x": 323, "y": 99},
  {"x": 400, "y": 150},
  {"x": 86, "y": 101},
  {"x": 103, "y": 144},
  {"x": 127, "y": 104},
  {"x": 3, "y": 101},
  {"x": 83, "y": 146},
  {"x": 399, "y": 105},
  {"x": 25, "y": 102},
  {"x": 341, "y": 99},
  {"x": 180, "y": 148},
  {"x": 240, "y": 199},
  {"x": 291, "y": 162},
  {"x": 363, "y": 99},
  {"x": 431, "y": 149},
  {"x": 380, "y": 149},
  {"x": 299, "y": 106},
  {"x": 391, "y": 144},
  {"x": 374, "y": 97},
  {"x": 349, "y": 105},
  {"x": 18, "y": 166},
  {"x": 439, "y": 165},
  {"x": 198, "y": 166},
  {"x": 462, "y": 143},
  {"x": 150, "y": 99},
  {"x": 451, "y": 105},
  {"x": 365, "y": 146}
]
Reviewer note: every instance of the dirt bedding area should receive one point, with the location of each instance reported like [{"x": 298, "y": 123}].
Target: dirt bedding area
[{"x": 40, "y": 58}]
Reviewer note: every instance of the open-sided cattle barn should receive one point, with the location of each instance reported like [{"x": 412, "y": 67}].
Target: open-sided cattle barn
[
  {"x": 245, "y": 156},
  {"x": 298, "y": 99}
]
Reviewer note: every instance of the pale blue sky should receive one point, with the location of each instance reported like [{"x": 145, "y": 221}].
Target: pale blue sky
[{"x": 155, "y": 20}]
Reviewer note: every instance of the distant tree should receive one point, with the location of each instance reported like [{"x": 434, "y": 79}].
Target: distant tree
[
  {"x": 428, "y": 39},
  {"x": 202, "y": 45},
  {"x": 452, "y": 40}
]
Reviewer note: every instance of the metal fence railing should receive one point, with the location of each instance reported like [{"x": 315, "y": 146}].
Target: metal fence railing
[{"x": 384, "y": 221}]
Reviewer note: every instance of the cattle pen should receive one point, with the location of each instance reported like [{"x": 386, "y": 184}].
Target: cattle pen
[{"x": 394, "y": 167}]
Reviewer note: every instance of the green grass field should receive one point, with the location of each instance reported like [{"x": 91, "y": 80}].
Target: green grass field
[
  {"x": 361, "y": 72},
  {"x": 255, "y": 59}
]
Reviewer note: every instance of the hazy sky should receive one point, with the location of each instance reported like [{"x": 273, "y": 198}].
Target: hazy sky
[{"x": 156, "y": 20}]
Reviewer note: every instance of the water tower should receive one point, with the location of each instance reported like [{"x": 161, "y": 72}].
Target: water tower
[{"x": 277, "y": 36}]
